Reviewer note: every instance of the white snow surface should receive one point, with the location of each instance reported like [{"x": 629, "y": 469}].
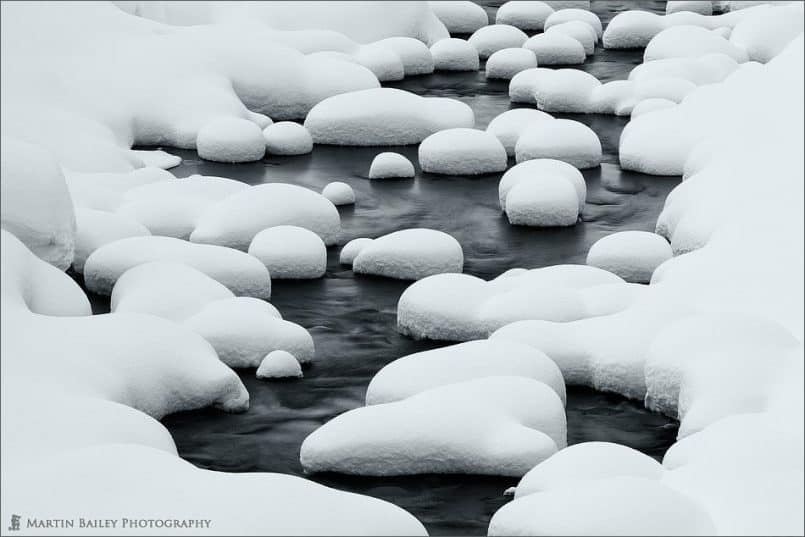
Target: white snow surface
[
  {"x": 279, "y": 364},
  {"x": 238, "y": 218},
  {"x": 462, "y": 152},
  {"x": 632, "y": 255},
  {"x": 550, "y": 201},
  {"x": 690, "y": 41},
  {"x": 384, "y": 116},
  {"x": 230, "y": 140},
  {"x": 560, "y": 139},
  {"x": 498, "y": 425},
  {"x": 508, "y": 62},
  {"x": 287, "y": 138},
  {"x": 526, "y": 15},
  {"x": 649, "y": 105},
  {"x": 421, "y": 371},
  {"x": 578, "y": 30},
  {"x": 339, "y": 193},
  {"x": 410, "y": 254},
  {"x": 389, "y": 165},
  {"x": 459, "y": 16},
  {"x": 96, "y": 228},
  {"x": 576, "y": 14},
  {"x": 239, "y": 272},
  {"x": 351, "y": 249},
  {"x": 290, "y": 252},
  {"x": 454, "y": 55},
  {"x": 534, "y": 170},
  {"x": 556, "y": 48},
  {"x": 509, "y": 125},
  {"x": 495, "y": 37}
]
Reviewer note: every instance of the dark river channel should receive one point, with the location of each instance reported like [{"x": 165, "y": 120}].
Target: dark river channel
[{"x": 353, "y": 319}]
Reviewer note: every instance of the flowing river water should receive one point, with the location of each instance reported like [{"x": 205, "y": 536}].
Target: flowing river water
[{"x": 353, "y": 318}]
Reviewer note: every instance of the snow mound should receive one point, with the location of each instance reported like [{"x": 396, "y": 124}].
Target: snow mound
[
  {"x": 616, "y": 506},
  {"x": 243, "y": 330},
  {"x": 290, "y": 252},
  {"x": 279, "y": 364},
  {"x": 690, "y": 42},
  {"x": 549, "y": 201},
  {"x": 563, "y": 90},
  {"x": 492, "y": 426},
  {"x": 172, "y": 208},
  {"x": 525, "y": 15},
  {"x": 578, "y": 30},
  {"x": 509, "y": 125},
  {"x": 575, "y": 14},
  {"x": 158, "y": 158},
  {"x": 495, "y": 37},
  {"x": 384, "y": 116},
  {"x": 454, "y": 55},
  {"x": 460, "y": 17},
  {"x": 287, "y": 138},
  {"x": 521, "y": 86},
  {"x": 460, "y": 307},
  {"x": 415, "y": 55},
  {"x": 351, "y": 249},
  {"x": 632, "y": 255},
  {"x": 105, "y": 191},
  {"x": 508, "y": 62},
  {"x": 241, "y": 273},
  {"x": 702, "y": 7},
  {"x": 462, "y": 152},
  {"x": 578, "y": 464},
  {"x": 534, "y": 170},
  {"x": 561, "y": 139},
  {"x": 36, "y": 204},
  {"x": 649, "y": 105},
  {"x": 410, "y": 254},
  {"x": 767, "y": 33},
  {"x": 96, "y": 228},
  {"x": 230, "y": 139},
  {"x": 390, "y": 165},
  {"x": 555, "y": 48},
  {"x": 422, "y": 371},
  {"x": 339, "y": 193},
  {"x": 237, "y": 219},
  {"x": 706, "y": 69}
]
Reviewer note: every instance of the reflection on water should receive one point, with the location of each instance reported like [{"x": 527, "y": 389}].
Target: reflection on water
[{"x": 352, "y": 319}]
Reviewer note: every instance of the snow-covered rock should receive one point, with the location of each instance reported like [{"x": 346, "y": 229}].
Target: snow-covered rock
[
  {"x": 561, "y": 139},
  {"x": 508, "y": 62},
  {"x": 421, "y": 371},
  {"x": 243, "y": 330},
  {"x": 410, "y": 254},
  {"x": 415, "y": 55},
  {"x": 237, "y": 219},
  {"x": 287, "y": 138},
  {"x": 521, "y": 86},
  {"x": 705, "y": 69},
  {"x": 616, "y": 506},
  {"x": 632, "y": 255},
  {"x": 351, "y": 249},
  {"x": 96, "y": 228},
  {"x": 548, "y": 201},
  {"x": 105, "y": 191},
  {"x": 36, "y": 204},
  {"x": 495, "y": 37},
  {"x": 578, "y": 30},
  {"x": 649, "y": 105},
  {"x": 767, "y": 33},
  {"x": 160, "y": 159},
  {"x": 460, "y": 307},
  {"x": 241, "y": 273},
  {"x": 454, "y": 55},
  {"x": 460, "y": 17},
  {"x": 390, "y": 165},
  {"x": 703, "y": 7},
  {"x": 339, "y": 193},
  {"x": 690, "y": 41},
  {"x": 555, "y": 48},
  {"x": 509, "y": 125},
  {"x": 526, "y": 15},
  {"x": 230, "y": 139},
  {"x": 446, "y": 429},
  {"x": 384, "y": 116},
  {"x": 462, "y": 152},
  {"x": 279, "y": 364},
  {"x": 534, "y": 170},
  {"x": 563, "y": 90},
  {"x": 290, "y": 252},
  {"x": 575, "y": 465},
  {"x": 576, "y": 14}
]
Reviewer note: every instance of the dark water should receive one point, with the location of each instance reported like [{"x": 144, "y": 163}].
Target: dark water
[{"x": 352, "y": 319}]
